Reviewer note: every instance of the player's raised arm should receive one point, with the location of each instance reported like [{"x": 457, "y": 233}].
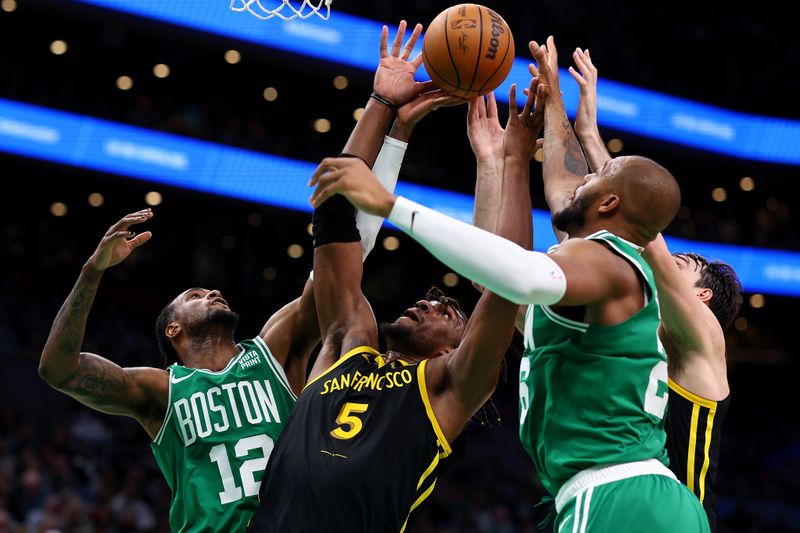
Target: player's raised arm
[
  {"x": 486, "y": 140},
  {"x": 472, "y": 370},
  {"x": 690, "y": 325},
  {"x": 563, "y": 165},
  {"x": 89, "y": 378},
  {"x": 586, "y": 119},
  {"x": 345, "y": 317}
]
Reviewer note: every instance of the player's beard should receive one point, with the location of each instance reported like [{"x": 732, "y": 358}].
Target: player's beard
[
  {"x": 215, "y": 319},
  {"x": 396, "y": 335},
  {"x": 408, "y": 340},
  {"x": 573, "y": 216}
]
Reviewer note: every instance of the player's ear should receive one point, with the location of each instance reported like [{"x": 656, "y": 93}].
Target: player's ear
[
  {"x": 609, "y": 204},
  {"x": 705, "y": 294},
  {"x": 173, "y": 329}
]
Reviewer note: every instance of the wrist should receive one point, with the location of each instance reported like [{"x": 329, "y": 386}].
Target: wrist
[
  {"x": 387, "y": 205},
  {"x": 90, "y": 271},
  {"x": 386, "y": 102},
  {"x": 401, "y": 130},
  {"x": 490, "y": 158}
]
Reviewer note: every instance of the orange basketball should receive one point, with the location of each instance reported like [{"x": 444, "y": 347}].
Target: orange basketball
[{"x": 468, "y": 50}]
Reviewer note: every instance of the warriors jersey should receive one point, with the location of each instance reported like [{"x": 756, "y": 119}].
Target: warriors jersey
[
  {"x": 591, "y": 394},
  {"x": 694, "y": 425},
  {"x": 361, "y": 451},
  {"x": 217, "y": 435}
]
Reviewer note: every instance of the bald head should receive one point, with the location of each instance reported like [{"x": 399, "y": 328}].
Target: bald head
[{"x": 649, "y": 195}]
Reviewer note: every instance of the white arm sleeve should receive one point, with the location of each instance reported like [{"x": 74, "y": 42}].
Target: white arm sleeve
[
  {"x": 505, "y": 268},
  {"x": 386, "y": 169}
]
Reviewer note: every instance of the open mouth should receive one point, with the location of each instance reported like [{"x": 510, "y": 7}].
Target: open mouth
[
  {"x": 412, "y": 314},
  {"x": 219, "y": 301}
]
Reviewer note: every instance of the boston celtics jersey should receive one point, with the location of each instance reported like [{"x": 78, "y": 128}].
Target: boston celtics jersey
[
  {"x": 361, "y": 452},
  {"x": 591, "y": 394},
  {"x": 217, "y": 435}
]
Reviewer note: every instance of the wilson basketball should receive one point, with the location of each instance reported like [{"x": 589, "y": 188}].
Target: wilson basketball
[{"x": 468, "y": 50}]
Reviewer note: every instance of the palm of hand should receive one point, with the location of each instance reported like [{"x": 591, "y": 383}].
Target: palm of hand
[
  {"x": 486, "y": 136},
  {"x": 395, "y": 80},
  {"x": 111, "y": 252}
]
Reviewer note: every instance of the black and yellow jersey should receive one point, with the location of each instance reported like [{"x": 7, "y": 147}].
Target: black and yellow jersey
[
  {"x": 694, "y": 425},
  {"x": 360, "y": 452}
]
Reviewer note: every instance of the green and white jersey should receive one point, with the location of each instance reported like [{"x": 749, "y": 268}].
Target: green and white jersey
[
  {"x": 217, "y": 436},
  {"x": 591, "y": 394}
]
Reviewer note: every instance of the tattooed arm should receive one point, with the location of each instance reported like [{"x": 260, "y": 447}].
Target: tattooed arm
[
  {"x": 564, "y": 165},
  {"x": 92, "y": 380}
]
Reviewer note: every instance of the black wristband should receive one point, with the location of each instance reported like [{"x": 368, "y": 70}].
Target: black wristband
[
  {"x": 385, "y": 101},
  {"x": 334, "y": 221}
]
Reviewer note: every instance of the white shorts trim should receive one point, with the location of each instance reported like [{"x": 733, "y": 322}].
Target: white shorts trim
[{"x": 600, "y": 475}]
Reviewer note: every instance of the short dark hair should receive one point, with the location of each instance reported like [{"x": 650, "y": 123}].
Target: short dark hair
[
  {"x": 168, "y": 351},
  {"x": 720, "y": 277}
]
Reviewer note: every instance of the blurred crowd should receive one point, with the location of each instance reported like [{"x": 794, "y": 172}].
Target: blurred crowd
[{"x": 65, "y": 468}]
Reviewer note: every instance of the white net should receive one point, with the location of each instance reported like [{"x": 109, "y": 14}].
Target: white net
[{"x": 285, "y": 10}]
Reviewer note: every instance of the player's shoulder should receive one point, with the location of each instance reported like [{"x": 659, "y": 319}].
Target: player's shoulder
[{"x": 589, "y": 251}]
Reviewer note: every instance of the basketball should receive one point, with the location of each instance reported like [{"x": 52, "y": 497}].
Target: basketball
[{"x": 468, "y": 50}]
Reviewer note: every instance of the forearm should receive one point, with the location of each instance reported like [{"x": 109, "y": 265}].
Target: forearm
[
  {"x": 61, "y": 352},
  {"x": 593, "y": 146},
  {"x": 515, "y": 221},
  {"x": 563, "y": 163},
  {"x": 386, "y": 170},
  {"x": 682, "y": 312},
  {"x": 503, "y": 267},
  {"x": 365, "y": 140},
  {"x": 488, "y": 192}
]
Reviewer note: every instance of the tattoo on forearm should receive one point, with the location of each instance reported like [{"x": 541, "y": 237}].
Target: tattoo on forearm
[
  {"x": 574, "y": 160},
  {"x": 96, "y": 379}
]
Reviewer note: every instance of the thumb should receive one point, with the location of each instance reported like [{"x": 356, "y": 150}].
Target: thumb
[{"x": 140, "y": 239}]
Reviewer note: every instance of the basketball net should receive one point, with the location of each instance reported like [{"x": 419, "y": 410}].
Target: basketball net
[{"x": 285, "y": 10}]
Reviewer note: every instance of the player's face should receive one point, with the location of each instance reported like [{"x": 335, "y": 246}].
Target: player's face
[
  {"x": 433, "y": 323},
  {"x": 689, "y": 268},
  {"x": 198, "y": 306},
  {"x": 573, "y": 215}
]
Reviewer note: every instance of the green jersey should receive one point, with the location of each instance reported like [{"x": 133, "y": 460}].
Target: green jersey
[
  {"x": 591, "y": 394},
  {"x": 217, "y": 436}
]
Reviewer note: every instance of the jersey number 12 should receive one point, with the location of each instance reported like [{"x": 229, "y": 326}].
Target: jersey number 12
[{"x": 218, "y": 454}]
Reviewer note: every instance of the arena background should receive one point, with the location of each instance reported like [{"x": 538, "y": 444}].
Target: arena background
[{"x": 66, "y": 468}]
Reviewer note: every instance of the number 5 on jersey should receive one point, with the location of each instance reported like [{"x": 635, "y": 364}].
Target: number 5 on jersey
[{"x": 349, "y": 424}]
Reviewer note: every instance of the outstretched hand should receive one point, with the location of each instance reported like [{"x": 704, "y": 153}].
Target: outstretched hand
[
  {"x": 409, "y": 115},
  {"x": 483, "y": 128},
  {"x": 394, "y": 79},
  {"x": 522, "y": 130},
  {"x": 586, "y": 118},
  {"x": 350, "y": 177},
  {"x": 546, "y": 68},
  {"x": 118, "y": 242}
]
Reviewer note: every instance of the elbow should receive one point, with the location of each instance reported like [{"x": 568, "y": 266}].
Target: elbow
[
  {"x": 46, "y": 373},
  {"x": 49, "y": 374}
]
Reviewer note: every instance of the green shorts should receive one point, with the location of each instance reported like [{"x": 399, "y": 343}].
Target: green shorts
[{"x": 651, "y": 503}]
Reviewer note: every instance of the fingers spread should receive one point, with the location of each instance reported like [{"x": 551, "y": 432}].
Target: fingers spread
[
  {"x": 398, "y": 38},
  {"x": 491, "y": 105},
  {"x": 412, "y": 41},
  {"x": 384, "y": 42},
  {"x": 512, "y": 100}
]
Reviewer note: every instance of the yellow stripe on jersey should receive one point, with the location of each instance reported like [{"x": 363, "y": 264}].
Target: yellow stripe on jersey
[
  {"x": 423, "y": 390},
  {"x": 417, "y": 504},
  {"x": 358, "y": 350},
  {"x": 428, "y": 471},
  {"x": 706, "y": 458},
  {"x": 694, "y": 398},
  {"x": 711, "y": 405},
  {"x": 692, "y": 447}
]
